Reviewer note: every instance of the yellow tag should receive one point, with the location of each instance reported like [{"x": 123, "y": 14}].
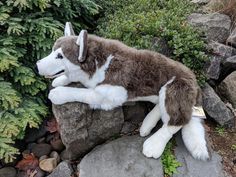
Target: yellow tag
[{"x": 198, "y": 112}]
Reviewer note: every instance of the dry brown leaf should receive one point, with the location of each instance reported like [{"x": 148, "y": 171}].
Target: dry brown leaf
[
  {"x": 52, "y": 126},
  {"x": 29, "y": 162}
]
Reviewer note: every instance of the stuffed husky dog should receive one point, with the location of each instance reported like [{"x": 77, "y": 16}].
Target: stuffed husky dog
[{"x": 114, "y": 73}]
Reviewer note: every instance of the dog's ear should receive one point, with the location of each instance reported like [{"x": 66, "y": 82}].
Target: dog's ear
[
  {"x": 82, "y": 41},
  {"x": 68, "y": 31}
]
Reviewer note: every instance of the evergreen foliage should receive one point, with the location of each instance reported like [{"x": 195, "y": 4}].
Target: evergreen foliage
[
  {"x": 28, "y": 29},
  {"x": 137, "y": 22}
]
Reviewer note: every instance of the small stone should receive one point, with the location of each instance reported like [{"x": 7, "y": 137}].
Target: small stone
[
  {"x": 215, "y": 25},
  {"x": 65, "y": 155},
  {"x": 221, "y": 50},
  {"x": 26, "y": 152},
  {"x": 40, "y": 173},
  {"x": 227, "y": 88},
  {"x": 41, "y": 140},
  {"x": 57, "y": 145},
  {"x": 232, "y": 38},
  {"x": 41, "y": 149},
  {"x": 43, "y": 157},
  {"x": 55, "y": 155},
  {"x": 30, "y": 146},
  {"x": 215, "y": 107},
  {"x": 8, "y": 172},
  {"x": 64, "y": 169},
  {"x": 49, "y": 138},
  {"x": 48, "y": 165}
]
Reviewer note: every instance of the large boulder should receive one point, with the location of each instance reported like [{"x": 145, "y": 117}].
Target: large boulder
[
  {"x": 120, "y": 158},
  {"x": 82, "y": 128},
  {"x": 215, "y": 25},
  {"x": 191, "y": 167},
  {"x": 215, "y": 107},
  {"x": 227, "y": 88}
]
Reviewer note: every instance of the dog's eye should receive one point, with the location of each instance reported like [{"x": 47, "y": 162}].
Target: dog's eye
[{"x": 59, "y": 56}]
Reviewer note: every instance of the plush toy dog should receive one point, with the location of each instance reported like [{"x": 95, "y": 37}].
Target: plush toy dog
[{"x": 114, "y": 73}]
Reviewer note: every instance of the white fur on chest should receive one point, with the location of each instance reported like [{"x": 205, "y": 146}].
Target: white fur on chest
[{"x": 76, "y": 74}]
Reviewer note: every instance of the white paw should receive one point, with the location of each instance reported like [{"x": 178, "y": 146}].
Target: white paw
[
  {"x": 56, "y": 83},
  {"x": 144, "y": 130},
  {"x": 58, "y": 95},
  {"x": 60, "y": 81},
  {"x": 153, "y": 147},
  {"x": 200, "y": 153}
]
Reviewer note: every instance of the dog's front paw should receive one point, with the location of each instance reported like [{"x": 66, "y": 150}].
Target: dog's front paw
[
  {"x": 60, "y": 81},
  {"x": 152, "y": 147},
  {"x": 58, "y": 95}
]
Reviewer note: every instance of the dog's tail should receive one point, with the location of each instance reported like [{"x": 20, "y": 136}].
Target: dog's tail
[{"x": 193, "y": 135}]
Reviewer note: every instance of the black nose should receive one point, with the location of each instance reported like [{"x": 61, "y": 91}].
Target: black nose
[{"x": 36, "y": 69}]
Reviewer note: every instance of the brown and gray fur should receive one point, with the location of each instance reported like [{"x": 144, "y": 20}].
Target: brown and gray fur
[{"x": 140, "y": 72}]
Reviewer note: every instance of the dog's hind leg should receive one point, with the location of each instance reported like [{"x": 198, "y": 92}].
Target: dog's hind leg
[
  {"x": 155, "y": 145},
  {"x": 193, "y": 135},
  {"x": 150, "y": 121}
]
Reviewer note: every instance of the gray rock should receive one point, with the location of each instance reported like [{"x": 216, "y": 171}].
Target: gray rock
[
  {"x": 230, "y": 63},
  {"x": 120, "y": 158},
  {"x": 161, "y": 45},
  {"x": 213, "y": 67},
  {"x": 41, "y": 149},
  {"x": 196, "y": 168},
  {"x": 227, "y": 66},
  {"x": 128, "y": 128},
  {"x": 135, "y": 112},
  {"x": 227, "y": 88},
  {"x": 82, "y": 128},
  {"x": 215, "y": 25},
  {"x": 8, "y": 172},
  {"x": 232, "y": 38},
  {"x": 221, "y": 50},
  {"x": 215, "y": 108},
  {"x": 64, "y": 169}
]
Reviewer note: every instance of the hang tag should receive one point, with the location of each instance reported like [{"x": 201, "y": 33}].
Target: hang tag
[{"x": 198, "y": 112}]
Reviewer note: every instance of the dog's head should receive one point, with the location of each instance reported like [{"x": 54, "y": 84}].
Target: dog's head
[{"x": 66, "y": 53}]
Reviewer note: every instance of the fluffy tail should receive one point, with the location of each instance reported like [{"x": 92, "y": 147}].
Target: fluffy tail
[{"x": 193, "y": 135}]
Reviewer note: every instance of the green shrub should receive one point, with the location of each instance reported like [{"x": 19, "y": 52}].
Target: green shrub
[
  {"x": 28, "y": 29},
  {"x": 169, "y": 162},
  {"x": 137, "y": 22}
]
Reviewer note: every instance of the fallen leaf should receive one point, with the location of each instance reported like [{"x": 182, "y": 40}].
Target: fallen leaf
[
  {"x": 52, "y": 126},
  {"x": 29, "y": 162}
]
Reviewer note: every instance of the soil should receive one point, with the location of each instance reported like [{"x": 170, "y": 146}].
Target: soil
[{"x": 223, "y": 141}]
